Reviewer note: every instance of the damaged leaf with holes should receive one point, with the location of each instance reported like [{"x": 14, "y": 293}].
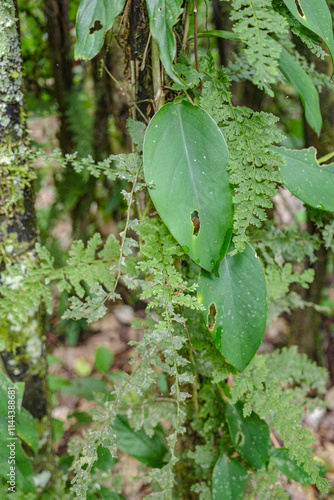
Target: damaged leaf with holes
[
  {"x": 314, "y": 15},
  {"x": 185, "y": 164},
  {"x": 94, "y": 19},
  {"x": 236, "y": 306}
]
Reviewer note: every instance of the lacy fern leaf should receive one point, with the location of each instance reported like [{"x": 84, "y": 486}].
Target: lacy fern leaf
[
  {"x": 252, "y": 165},
  {"x": 254, "y": 21},
  {"x": 258, "y": 386}
]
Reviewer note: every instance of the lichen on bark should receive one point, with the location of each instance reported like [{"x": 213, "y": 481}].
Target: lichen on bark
[
  {"x": 24, "y": 358},
  {"x": 16, "y": 191}
]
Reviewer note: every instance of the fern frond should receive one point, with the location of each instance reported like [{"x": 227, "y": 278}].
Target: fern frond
[
  {"x": 26, "y": 285},
  {"x": 254, "y": 21},
  {"x": 252, "y": 165},
  {"x": 267, "y": 392}
]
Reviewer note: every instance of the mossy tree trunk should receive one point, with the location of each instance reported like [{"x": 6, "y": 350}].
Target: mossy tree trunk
[{"x": 24, "y": 358}]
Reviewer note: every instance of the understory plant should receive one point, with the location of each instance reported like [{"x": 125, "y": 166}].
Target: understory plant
[{"x": 205, "y": 414}]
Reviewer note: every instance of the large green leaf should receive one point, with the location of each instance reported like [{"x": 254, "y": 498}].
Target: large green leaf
[
  {"x": 185, "y": 157},
  {"x": 307, "y": 91},
  {"x": 94, "y": 18},
  {"x": 236, "y": 306},
  {"x": 150, "y": 451},
  {"x": 306, "y": 179},
  {"x": 228, "y": 479},
  {"x": 315, "y": 15},
  {"x": 289, "y": 467},
  {"x": 250, "y": 435},
  {"x": 163, "y": 16}
]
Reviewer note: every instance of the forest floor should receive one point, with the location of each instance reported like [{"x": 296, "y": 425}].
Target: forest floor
[{"x": 114, "y": 331}]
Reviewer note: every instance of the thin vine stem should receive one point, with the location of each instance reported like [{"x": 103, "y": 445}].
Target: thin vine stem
[
  {"x": 195, "y": 36},
  {"x": 119, "y": 265}
]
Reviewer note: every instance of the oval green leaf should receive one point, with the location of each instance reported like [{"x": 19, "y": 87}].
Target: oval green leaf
[
  {"x": 104, "y": 358},
  {"x": 289, "y": 467},
  {"x": 228, "y": 479},
  {"x": 306, "y": 179},
  {"x": 94, "y": 19},
  {"x": 250, "y": 435},
  {"x": 163, "y": 16},
  {"x": 305, "y": 87},
  {"x": 150, "y": 451},
  {"x": 185, "y": 157},
  {"x": 236, "y": 306},
  {"x": 316, "y": 16}
]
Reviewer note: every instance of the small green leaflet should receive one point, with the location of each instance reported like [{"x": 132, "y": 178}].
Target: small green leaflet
[
  {"x": 236, "y": 306},
  {"x": 283, "y": 463},
  {"x": 185, "y": 158},
  {"x": 316, "y": 16},
  {"x": 150, "y": 451},
  {"x": 105, "y": 461},
  {"x": 94, "y": 19},
  {"x": 137, "y": 132},
  {"x": 306, "y": 179},
  {"x": 228, "y": 479},
  {"x": 250, "y": 435},
  {"x": 26, "y": 429},
  {"x": 163, "y": 16},
  {"x": 306, "y": 89},
  {"x": 104, "y": 358}
]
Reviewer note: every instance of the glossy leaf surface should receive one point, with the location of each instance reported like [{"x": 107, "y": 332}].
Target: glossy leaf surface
[
  {"x": 289, "y": 467},
  {"x": 250, "y": 435},
  {"x": 306, "y": 179},
  {"x": 185, "y": 157},
  {"x": 94, "y": 18},
  {"x": 305, "y": 87},
  {"x": 240, "y": 299},
  {"x": 315, "y": 15},
  {"x": 150, "y": 451},
  {"x": 228, "y": 479},
  {"x": 163, "y": 15}
]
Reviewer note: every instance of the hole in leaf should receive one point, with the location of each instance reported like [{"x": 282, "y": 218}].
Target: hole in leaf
[
  {"x": 96, "y": 27},
  {"x": 211, "y": 319},
  {"x": 300, "y": 10},
  {"x": 240, "y": 439},
  {"x": 196, "y": 222}
]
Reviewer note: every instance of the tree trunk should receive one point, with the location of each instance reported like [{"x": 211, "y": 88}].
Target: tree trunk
[
  {"x": 139, "y": 67},
  {"x": 18, "y": 227},
  {"x": 57, "y": 25}
]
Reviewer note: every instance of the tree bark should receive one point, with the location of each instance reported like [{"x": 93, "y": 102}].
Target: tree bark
[
  {"x": 138, "y": 57},
  {"x": 18, "y": 227}
]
